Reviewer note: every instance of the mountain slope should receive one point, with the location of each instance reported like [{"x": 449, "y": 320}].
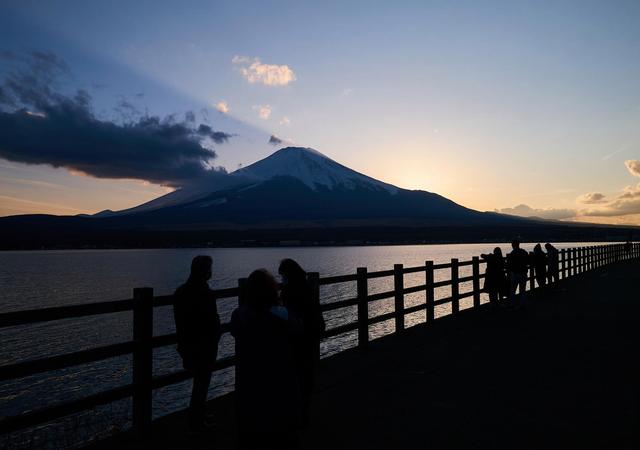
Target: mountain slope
[{"x": 300, "y": 186}]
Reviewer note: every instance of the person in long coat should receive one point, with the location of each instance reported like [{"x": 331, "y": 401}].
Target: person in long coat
[
  {"x": 297, "y": 297},
  {"x": 553, "y": 259},
  {"x": 495, "y": 281},
  {"x": 198, "y": 333},
  {"x": 539, "y": 262},
  {"x": 267, "y": 390}
]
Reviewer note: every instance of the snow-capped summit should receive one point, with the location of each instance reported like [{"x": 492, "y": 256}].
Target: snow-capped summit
[{"x": 312, "y": 168}]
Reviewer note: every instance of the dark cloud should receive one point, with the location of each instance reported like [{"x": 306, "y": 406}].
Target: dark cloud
[
  {"x": 549, "y": 213},
  {"x": 275, "y": 140},
  {"x": 218, "y": 137},
  {"x": 40, "y": 125}
]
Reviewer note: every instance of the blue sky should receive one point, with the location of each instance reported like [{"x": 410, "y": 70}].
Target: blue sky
[{"x": 492, "y": 104}]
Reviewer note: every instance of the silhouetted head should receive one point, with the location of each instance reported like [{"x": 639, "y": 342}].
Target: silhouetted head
[
  {"x": 291, "y": 272},
  {"x": 515, "y": 244},
  {"x": 201, "y": 268},
  {"x": 537, "y": 248},
  {"x": 548, "y": 246},
  {"x": 497, "y": 251},
  {"x": 261, "y": 290}
]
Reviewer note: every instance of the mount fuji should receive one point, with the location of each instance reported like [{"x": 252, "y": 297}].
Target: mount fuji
[{"x": 297, "y": 187}]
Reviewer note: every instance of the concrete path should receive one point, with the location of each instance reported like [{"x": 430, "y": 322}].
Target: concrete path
[{"x": 562, "y": 373}]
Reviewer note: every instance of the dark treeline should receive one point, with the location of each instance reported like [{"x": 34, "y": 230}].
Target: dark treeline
[{"x": 50, "y": 232}]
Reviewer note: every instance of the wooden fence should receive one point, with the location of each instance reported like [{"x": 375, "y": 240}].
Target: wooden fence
[{"x": 573, "y": 261}]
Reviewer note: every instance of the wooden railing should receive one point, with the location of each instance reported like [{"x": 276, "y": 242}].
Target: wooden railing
[{"x": 572, "y": 261}]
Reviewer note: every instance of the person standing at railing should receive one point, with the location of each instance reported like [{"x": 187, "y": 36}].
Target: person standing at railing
[
  {"x": 267, "y": 392},
  {"x": 297, "y": 297},
  {"x": 539, "y": 262},
  {"x": 517, "y": 265},
  {"x": 198, "y": 331},
  {"x": 495, "y": 279},
  {"x": 553, "y": 260}
]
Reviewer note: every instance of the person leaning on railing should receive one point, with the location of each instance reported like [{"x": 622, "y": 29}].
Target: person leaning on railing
[
  {"x": 198, "y": 332},
  {"x": 539, "y": 263},
  {"x": 495, "y": 280},
  {"x": 517, "y": 265},
  {"x": 553, "y": 260}
]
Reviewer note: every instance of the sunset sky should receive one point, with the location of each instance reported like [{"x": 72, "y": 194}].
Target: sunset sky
[{"x": 527, "y": 107}]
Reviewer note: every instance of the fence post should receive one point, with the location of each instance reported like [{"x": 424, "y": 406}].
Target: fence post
[
  {"x": 398, "y": 288},
  {"x": 455, "y": 287},
  {"x": 572, "y": 261},
  {"x": 363, "y": 307},
  {"x": 580, "y": 259},
  {"x": 618, "y": 253},
  {"x": 475, "y": 269},
  {"x": 142, "y": 360},
  {"x": 589, "y": 259},
  {"x": 429, "y": 292},
  {"x": 598, "y": 256},
  {"x": 563, "y": 262}
]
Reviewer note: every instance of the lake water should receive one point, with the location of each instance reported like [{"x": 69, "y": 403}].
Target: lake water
[{"x": 38, "y": 279}]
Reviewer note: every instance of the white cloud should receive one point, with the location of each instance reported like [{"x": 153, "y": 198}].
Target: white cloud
[
  {"x": 592, "y": 198},
  {"x": 254, "y": 71},
  {"x": 633, "y": 166},
  {"x": 264, "y": 111},
  {"x": 346, "y": 92},
  {"x": 548, "y": 213},
  {"x": 285, "y": 121},
  {"x": 222, "y": 106},
  {"x": 628, "y": 202},
  {"x": 624, "y": 148}
]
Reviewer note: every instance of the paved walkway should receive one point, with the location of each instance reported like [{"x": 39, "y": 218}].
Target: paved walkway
[{"x": 563, "y": 373}]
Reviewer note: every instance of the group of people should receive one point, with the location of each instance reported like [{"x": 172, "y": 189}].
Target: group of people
[
  {"x": 277, "y": 330},
  {"x": 503, "y": 278}
]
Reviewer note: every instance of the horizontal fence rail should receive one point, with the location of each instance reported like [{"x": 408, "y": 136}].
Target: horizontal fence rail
[{"x": 572, "y": 261}]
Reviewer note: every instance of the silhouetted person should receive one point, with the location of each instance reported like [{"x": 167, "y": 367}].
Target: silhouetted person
[
  {"x": 553, "y": 261},
  {"x": 539, "y": 262},
  {"x": 517, "y": 264},
  {"x": 495, "y": 280},
  {"x": 198, "y": 330},
  {"x": 297, "y": 297},
  {"x": 267, "y": 391}
]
